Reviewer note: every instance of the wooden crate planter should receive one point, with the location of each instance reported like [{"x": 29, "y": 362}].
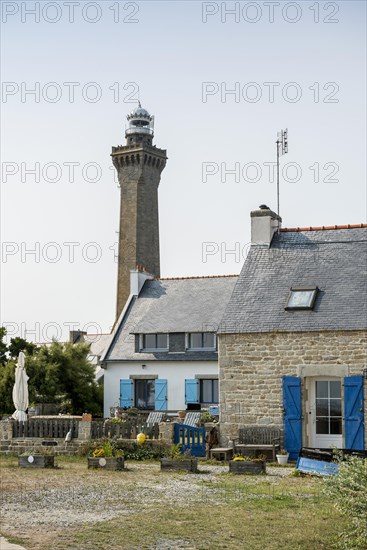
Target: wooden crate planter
[
  {"x": 185, "y": 464},
  {"x": 246, "y": 467},
  {"x": 106, "y": 463},
  {"x": 36, "y": 461}
]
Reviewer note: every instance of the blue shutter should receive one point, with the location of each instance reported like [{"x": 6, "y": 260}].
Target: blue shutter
[
  {"x": 354, "y": 413},
  {"x": 191, "y": 390},
  {"x": 160, "y": 395},
  {"x": 292, "y": 415},
  {"x": 126, "y": 393}
]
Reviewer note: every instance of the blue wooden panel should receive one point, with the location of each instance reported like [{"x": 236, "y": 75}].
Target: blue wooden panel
[
  {"x": 354, "y": 413},
  {"x": 311, "y": 465},
  {"x": 191, "y": 390},
  {"x": 160, "y": 394},
  {"x": 292, "y": 415},
  {"x": 126, "y": 393},
  {"x": 190, "y": 438}
]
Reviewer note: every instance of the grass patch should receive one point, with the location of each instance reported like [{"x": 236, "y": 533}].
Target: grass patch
[{"x": 224, "y": 526}]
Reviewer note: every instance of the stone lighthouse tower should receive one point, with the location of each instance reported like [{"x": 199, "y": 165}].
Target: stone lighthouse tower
[{"x": 139, "y": 165}]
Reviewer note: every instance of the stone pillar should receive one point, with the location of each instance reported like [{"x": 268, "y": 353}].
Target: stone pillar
[
  {"x": 84, "y": 431},
  {"x": 166, "y": 432},
  {"x": 6, "y": 431}
]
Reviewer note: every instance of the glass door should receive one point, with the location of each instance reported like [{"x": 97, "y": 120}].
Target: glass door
[{"x": 326, "y": 413}]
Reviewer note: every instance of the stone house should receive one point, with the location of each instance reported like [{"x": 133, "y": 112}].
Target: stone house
[
  {"x": 292, "y": 341},
  {"x": 162, "y": 354}
]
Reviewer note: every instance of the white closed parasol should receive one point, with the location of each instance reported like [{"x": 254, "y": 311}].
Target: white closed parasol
[{"x": 20, "y": 390}]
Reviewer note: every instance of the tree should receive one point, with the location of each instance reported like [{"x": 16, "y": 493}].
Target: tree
[
  {"x": 19, "y": 344},
  {"x": 7, "y": 378},
  {"x": 58, "y": 373},
  {"x": 3, "y": 346}
]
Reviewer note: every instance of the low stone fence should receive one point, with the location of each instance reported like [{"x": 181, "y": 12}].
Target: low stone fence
[{"x": 18, "y": 437}]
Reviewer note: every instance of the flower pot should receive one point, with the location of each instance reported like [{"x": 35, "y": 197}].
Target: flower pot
[
  {"x": 178, "y": 464},
  {"x": 282, "y": 459},
  {"x": 106, "y": 463},
  {"x": 247, "y": 467},
  {"x": 36, "y": 461}
]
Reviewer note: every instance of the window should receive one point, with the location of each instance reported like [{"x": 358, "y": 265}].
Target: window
[
  {"x": 302, "y": 298},
  {"x": 328, "y": 407},
  {"x": 201, "y": 340},
  {"x": 209, "y": 391},
  {"x": 144, "y": 394},
  {"x": 154, "y": 342}
]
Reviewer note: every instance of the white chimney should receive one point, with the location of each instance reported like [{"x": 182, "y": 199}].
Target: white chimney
[
  {"x": 138, "y": 277},
  {"x": 264, "y": 223}
]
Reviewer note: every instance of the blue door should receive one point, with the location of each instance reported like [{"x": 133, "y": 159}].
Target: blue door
[
  {"x": 292, "y": 415},
  {"x": 354, "y": 413}
]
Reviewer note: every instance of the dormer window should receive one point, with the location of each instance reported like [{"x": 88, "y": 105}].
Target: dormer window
[
  {"x": 154, "y": 342},
  {"x": 302, "y": 298},
  {"x": 201, "y": 341}
]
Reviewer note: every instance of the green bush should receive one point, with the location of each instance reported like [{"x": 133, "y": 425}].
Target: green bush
[
  {"x": 142, "y": 452},
  {"x": 348, "y": 491}
]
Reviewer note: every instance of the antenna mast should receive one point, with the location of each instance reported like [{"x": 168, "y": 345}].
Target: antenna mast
[{"x": 282, "y": 149}]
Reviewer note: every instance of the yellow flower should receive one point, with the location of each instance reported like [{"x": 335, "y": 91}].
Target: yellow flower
[{"x": 99, "y": 452}]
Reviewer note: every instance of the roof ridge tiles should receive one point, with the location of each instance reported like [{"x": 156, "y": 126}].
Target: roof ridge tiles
[
  {"x": 193, "y": 277},
  {"x": 323, "y": 227}
]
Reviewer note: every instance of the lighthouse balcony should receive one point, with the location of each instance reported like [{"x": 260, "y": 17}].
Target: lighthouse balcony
[{"x": 139, "y": 130}]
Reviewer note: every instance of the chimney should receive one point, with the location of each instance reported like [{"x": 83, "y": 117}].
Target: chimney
[
  {"x": 138, "y": 277},
  {"x": 264, "y": 223},
  {"x": 76, "y": 336}
]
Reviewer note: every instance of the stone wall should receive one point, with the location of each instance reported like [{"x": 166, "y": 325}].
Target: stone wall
[
  {"x": 251, "y": 367},
  {"x": 58, "y": 445}
]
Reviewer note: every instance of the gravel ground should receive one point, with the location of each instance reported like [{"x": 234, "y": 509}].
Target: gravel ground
[{"x": 59, "y": 499}]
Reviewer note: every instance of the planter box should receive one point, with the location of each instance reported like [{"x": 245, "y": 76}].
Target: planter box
[
  {"x": 246, "y": 467},
  {"x": 36, "y": 461},
  {"x": 186, "y": 464},
  {"x": 106, "y": 463}
]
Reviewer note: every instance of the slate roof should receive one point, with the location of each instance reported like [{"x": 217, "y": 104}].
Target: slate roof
[
  {"x": 193, "y": 304},
  {"x": 333, "y": 259}
]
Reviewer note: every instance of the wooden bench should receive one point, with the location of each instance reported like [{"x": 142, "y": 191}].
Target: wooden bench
[{"x": 257, "y": 438}]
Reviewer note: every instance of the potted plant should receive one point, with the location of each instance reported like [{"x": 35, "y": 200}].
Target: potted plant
[
  {"x": 282, "y": 456},
  {"x": 105, "y": 455},
  {"x": 175, "y": 460},
  {"x": 247, "y": 465},
  {"x": 39, "y": 458}
]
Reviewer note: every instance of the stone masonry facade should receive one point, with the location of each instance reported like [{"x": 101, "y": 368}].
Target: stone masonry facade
[{"x": 251, "y": 367}]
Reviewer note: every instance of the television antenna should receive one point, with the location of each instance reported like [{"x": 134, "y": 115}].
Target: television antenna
[{"x": 282, "y": 149}]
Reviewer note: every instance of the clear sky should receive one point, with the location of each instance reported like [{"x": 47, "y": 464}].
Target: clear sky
[{"x": 296, "y": 65}]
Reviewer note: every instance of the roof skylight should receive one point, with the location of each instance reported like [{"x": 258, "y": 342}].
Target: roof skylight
[{"x": 302, "y": 298}]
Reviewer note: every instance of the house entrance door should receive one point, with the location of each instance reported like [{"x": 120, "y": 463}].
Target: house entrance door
[{"x": 326, "y": 413}]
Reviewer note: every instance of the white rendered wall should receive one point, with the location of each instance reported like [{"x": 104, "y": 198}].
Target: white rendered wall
[{"x": 173, "y": 371}]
